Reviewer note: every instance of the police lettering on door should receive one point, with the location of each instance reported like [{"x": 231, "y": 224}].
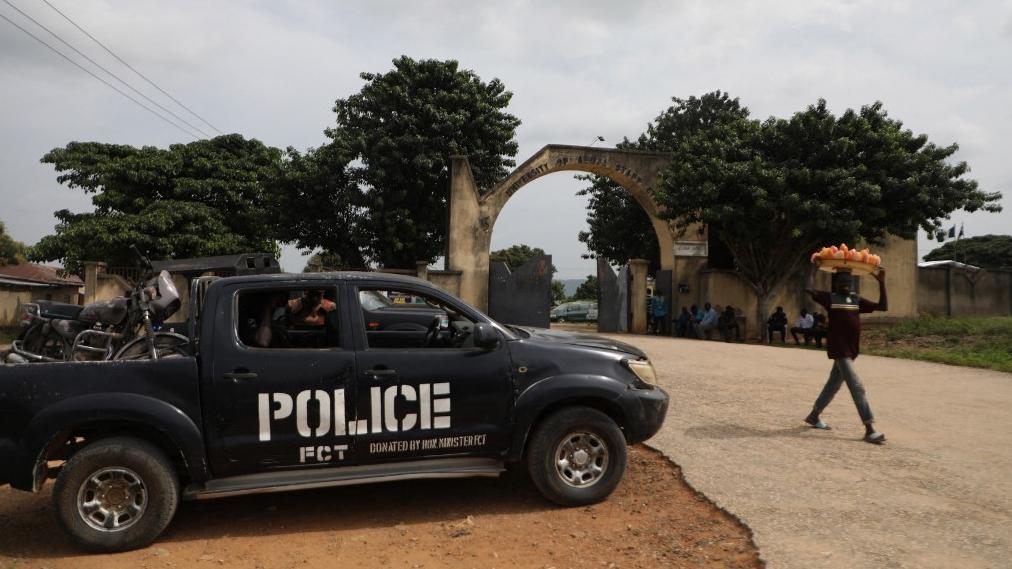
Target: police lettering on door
[{"x": 427, "y": 407}]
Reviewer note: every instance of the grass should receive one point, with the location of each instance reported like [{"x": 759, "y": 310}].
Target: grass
[{"x": 973, "y": 342}]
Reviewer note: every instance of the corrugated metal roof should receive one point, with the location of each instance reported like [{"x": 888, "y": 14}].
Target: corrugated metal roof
[
  {"x": 39, "y": 274},
  {"x": 26, "y": 284},
  {"x": 953, "y": 264}
]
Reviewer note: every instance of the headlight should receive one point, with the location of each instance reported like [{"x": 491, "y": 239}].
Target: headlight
[{"x": 644, "y": 371}]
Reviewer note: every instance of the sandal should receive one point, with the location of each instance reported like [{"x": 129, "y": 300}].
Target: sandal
[{"x": 875, "y": 438}]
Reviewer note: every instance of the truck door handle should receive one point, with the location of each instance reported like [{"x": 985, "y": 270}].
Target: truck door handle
[
  {"x": 239, "y": 375},
  {"x": 380, "y": 372}
]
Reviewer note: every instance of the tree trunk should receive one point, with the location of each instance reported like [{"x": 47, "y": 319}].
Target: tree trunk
[{"x": 762, "y": 304}]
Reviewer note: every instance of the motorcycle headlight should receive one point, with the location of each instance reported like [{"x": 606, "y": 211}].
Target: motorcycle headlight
[{"x": 644, "y": 372}]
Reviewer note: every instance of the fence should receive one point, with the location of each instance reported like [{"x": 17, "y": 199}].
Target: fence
[{"x": 956, "y": 291}]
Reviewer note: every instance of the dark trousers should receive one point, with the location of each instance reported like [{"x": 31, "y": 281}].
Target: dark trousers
[
  {"x": 658, "y": 324},
  {"x": 806, "y": 332},
  {"x": 777, "y": 328},
  {"x": 843, "y": 371},
  {"x": 725, "y": 331}
]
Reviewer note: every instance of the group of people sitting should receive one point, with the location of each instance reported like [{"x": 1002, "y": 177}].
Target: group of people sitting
[
  {"x": 702, "y": 323},
  {"x": 812, "y": 327}
]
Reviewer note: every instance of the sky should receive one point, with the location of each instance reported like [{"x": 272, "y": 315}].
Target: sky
[{"x": 578, "y": 70}]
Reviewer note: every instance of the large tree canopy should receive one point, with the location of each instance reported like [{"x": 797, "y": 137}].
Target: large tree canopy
[
  {"x": 399, "y": 132},
  {"x": 11, "y": 252},
  {"x": 774, "y": 191},
  {"x": 318, "y": 207},
  {"x": 516, "y": 255},
  {"x": 209, "y": 197},
  {"x": 619, "y": 229},
  {"x": 985, "y": 251},
  {"x": 587, "y": 289}
]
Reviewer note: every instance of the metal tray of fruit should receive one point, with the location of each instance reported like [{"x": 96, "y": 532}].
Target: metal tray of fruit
[{"x": 843, "y": 265}]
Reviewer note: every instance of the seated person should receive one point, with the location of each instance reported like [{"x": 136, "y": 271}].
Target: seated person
[
  {"x": 820, "y": 328},
  {"x": 803, "y": 326},
  {"x": 708, "y": 322},
  {"x": 728, "y": 321},
  {"x": 777, "y": 322},
  {"x": 683, "y": 325},
  {"x": 311, "y": 309}
]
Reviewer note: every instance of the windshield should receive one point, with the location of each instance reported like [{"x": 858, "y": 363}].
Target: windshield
[
  {"x": 518, "y": 331},
  {"x": 373, "y": 300}
]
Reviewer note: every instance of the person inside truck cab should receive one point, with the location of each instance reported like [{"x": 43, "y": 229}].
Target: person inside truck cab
[
  {"x": 311, "y": 309},
  {"x": 282, "y": 322}
]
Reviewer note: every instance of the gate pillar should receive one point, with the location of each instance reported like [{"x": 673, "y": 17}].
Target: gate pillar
[{"x": 638, "y": 295}]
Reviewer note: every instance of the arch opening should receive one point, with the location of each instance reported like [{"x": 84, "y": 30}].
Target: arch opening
[{"x": 472, "y": 217}]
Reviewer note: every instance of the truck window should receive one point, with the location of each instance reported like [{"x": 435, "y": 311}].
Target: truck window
[
  {"x": 301, "y": 318},
  {"x": 403, "y": 318}
]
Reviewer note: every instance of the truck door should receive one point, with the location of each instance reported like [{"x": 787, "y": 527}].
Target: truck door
[
  {"x": 437, "y": 396},
  {"x": 281, "y": 379}
]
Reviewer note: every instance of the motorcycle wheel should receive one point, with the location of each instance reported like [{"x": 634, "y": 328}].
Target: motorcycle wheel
[
  {"x": 50, "y": 344},
  {"x": 166, "y": 346}
]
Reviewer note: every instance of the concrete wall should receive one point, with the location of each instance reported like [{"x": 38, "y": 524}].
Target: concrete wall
[
  {"x": 945, "y": 291},
  {"x": 110, "y": 286},
  {"x": 899, "y": 256},
  {"x": 446, "y": 280},
  {"x": 12, "y": 297}
]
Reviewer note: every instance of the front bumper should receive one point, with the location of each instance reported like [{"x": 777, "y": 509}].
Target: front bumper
[{"x": 644, "y": 410}]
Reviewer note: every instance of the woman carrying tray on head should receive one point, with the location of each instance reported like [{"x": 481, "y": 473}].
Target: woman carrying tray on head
[{"x": 844, "y": 309}]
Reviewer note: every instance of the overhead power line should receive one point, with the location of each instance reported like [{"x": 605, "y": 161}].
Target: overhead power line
[
  {"x": 89, "y": 72},
  {"x": 131, "y": 67},
  {"x": 113, "y": 75}
]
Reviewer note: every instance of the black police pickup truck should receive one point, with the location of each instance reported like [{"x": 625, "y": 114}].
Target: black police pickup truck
[{"x": 312, "y": 380}]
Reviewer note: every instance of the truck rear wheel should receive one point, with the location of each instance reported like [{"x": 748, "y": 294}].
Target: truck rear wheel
[
  {"x": 116, "y": 494},
  {"x": 576, "y": 456}
]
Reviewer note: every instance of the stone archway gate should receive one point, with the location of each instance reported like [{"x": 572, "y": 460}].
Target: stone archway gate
[{"x": 472, "y": 216}]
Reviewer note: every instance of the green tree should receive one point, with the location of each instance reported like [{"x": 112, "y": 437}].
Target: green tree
[
  {"x": 774, "y": 191},
  {"x": 619, "y": 229},
  {"x": 516, "y": 255},
  {"x": 558, "y": 292},
  {"x": 399, "y": 132},
  {"x": 318, "y": 206},
  {"x": 209, "y": 197},
  {"x": 985, "y": 251},
  {"x": 325, "y": 261},
  {"x": 11, "y": 252},
  {"x": 587, "y": 289}
]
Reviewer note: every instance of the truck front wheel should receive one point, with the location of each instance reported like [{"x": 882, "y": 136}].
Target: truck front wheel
[
  {"x": 116, "y": 494},
  {"x": 576, "y": 456}
]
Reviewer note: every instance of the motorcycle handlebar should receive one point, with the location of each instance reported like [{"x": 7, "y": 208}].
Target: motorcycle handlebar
[{"x": 140, "y": 256}]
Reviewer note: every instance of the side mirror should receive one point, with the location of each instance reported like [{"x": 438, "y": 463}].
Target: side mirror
[{"x": 485, "y": 336}]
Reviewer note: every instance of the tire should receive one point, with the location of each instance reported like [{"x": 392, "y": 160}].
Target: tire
[
  {"x": 50, "y": 344},
  {"x": 166, "y": 346},
  {"x": 577, "y": 479},
  {"x": 115, "y": 466}
]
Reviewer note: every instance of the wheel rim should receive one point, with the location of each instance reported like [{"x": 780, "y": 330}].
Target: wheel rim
[
  {"x": 112, "y": 499},
  {"x": 581, "y": 459}
]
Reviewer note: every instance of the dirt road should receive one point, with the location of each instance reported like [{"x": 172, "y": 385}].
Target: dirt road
[
  {"x": 652, "y": 520},
  {"x": 938, "y": 494}
]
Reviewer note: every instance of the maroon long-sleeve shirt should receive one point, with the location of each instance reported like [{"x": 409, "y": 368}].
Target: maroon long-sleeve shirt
[{"x": 844, "y": 336}]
